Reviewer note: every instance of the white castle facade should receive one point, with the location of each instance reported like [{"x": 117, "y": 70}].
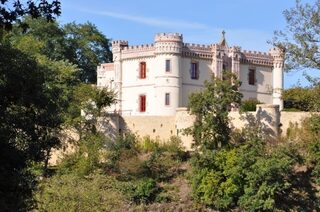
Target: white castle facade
[{"x": 156, "y": 79}]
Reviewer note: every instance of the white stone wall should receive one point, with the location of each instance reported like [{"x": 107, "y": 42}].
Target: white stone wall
[
  {"x": 193, "y": 85},
  {"x": 133, "y": 86},
  {"x": 124, "y": 77},
  {"x": 262, "y": 90}
]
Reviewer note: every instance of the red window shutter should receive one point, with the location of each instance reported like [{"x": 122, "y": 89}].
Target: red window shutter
[
  {"x": 142, "y": 70},
  {"x": 142, "y": 103}
]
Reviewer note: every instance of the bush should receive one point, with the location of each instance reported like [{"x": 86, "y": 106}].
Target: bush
[
  {"x": 175, "y": 148},
  {"x": 139, "y": 191},
  {"x": 123, "y": 148},
  {"x": 302, "y": 99},
  {"x": 86, "y": 158},
  {"x": 252, "y": 176},
  {"x": 70, "y": 192},
  {"x": 249, "y": 105}
]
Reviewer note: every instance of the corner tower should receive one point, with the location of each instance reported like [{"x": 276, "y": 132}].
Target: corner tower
[
  {"x": 117, "y": 47},
  {"x": 277, "y": 76},
  {"x": 168, "y": 83}
]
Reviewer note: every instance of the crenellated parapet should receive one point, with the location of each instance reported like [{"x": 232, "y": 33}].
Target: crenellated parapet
[
  {"x": 197, "y": 51},
  {"x": 138, "y": 51},
  {"x": 168, "y": 43},
  {"x": 168, "y": 37},
  {"x": 172, "y": 43},
  {"x": 118, "y": 45},
  {"x": 256, "y": 58},
  {"x": 278, "y": 57}
]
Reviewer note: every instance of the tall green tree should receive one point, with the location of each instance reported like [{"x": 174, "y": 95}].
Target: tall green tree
[
  {"x": 12, "y": 11},
  {"x": 31, "y": 110},
  {"x": 301, "y": 37},
  {"x": 211, "y": 106},
  {"x": 81, "y": 44},
  {"x": 87, "y": 47}
]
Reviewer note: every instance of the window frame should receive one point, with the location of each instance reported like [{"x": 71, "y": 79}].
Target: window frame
[
  {"x": 252, "y": 76},
  {"x": 142, "y": 103},
  {"x": 142, "y": 70},
  {"x": 194, "y": 75},
  {"x": 167, "y": 99},
  {"x": 166, "y": 67}
]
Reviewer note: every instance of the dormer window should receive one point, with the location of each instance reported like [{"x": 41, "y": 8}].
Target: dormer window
[
  {"x": 194, "y": 70},
  {"x": 143, "y": 70}
]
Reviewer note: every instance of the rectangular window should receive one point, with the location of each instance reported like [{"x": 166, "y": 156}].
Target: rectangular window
[
  {"x": 168, "y": 65},
  {"x": 252, "y": 76},
  {"x": 167, "y": 99},
  {"x": 142, "y": 100},
  {"x": 143, "y": 70},
  {"x": 194, "y": 70}
]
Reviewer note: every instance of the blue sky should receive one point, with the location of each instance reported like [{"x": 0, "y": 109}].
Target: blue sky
[{"x": 248, "y": 23}]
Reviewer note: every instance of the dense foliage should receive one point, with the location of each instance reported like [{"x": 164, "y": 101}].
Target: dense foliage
[
  {"x": 248, "y": 172},
  {"x": 302, "y": 99},
  {"x": 301, "y": 37},
  {"x": 110, "y": 174},
  {"x": 38, "y": 87},
  {"x": 12, "y": 10},
  {"x": 211, "y": 106},
  {"x": 80, "y": 44},
  {"x": 249, "y": 105}
]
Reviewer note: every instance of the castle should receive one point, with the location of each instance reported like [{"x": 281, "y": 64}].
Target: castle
[{"x": 156, "y": 79}]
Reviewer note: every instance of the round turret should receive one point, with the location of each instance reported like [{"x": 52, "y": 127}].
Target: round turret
[{"x": 168, "y": 43}]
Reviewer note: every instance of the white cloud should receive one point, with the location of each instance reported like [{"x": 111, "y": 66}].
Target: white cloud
[{"x": 159, "y": 22}]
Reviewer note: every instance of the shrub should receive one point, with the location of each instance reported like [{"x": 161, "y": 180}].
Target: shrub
[
  {"x": 303, "y": 99},
  {"x": 159, "y": 166},
  {"x": 249, "y": 105},
  {"x": 70, "y": 192},
  {"x": 123, "y": 148},
  {"x": 267, "y": 179},
  {"x": 252, "y": 176},
  {"x": 86, "y": 158},
  {"x": 139, "y": 191},
  {"x": 175, "y": 148},
  {"x": 149, "y": 145}
]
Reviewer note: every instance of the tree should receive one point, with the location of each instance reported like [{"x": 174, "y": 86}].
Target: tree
[
  {"x": 10, "y": 13},
  {"x": 31, "y": 109},
  {"x": 211, "y": 106},
  {"x": 301, "y": 38},
  {"x": 87, "y": 47},
  {"x": 81, "y": 44}
]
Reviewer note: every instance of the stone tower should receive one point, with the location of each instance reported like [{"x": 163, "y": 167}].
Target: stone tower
[
  {"x": 117, "y": 47},
  {"x": 168, "y": 46},
  {"x": 277, "y": 76}
]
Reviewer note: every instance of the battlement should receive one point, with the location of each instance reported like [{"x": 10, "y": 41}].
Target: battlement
[
  {"x": 257, "y": 58},
  {"x": 197, "y": 46},
  {"x": 276, "y": 52},
  {"x": 120, "y": 43},
  {"x": 173, "y": 37},
  {"x": 142, "y": 47}
]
